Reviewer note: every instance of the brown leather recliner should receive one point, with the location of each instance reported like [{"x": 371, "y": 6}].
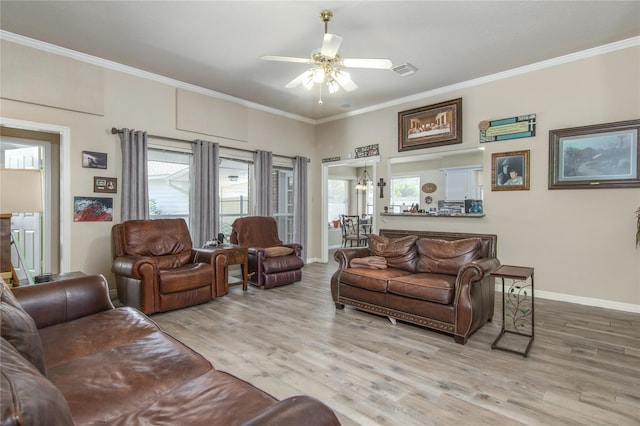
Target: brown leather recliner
[
  {"x": 271, "y": 263},
  {"x": 156, "y": 267}
]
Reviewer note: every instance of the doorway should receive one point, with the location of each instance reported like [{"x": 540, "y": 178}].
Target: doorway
[
  {"x": 357, "y": 201},
  {"x": 25, "y": 144}
]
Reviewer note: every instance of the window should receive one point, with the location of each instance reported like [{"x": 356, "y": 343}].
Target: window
[
  {"x": 404, "y": 192},
  {"x": 282, "y": 202},
  {"x": 234, "y": 192},
  {"x": 338, "y": 191},
  {"x": 169, "y": 184}
]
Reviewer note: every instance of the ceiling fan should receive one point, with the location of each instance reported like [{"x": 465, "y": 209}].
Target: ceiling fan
[{"x": 327, "y": 65}]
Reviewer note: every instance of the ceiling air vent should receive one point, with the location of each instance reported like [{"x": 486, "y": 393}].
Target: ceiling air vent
[{"x": 404, "y": 70}]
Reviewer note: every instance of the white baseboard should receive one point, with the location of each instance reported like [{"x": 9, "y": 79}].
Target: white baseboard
[{"x": 588, "y": 301}]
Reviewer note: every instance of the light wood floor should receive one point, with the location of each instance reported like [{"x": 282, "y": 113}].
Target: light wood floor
[{"x": 583, "y": 368}]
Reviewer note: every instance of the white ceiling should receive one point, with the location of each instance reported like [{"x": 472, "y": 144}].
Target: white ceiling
[{"x": 217, "y": 45}]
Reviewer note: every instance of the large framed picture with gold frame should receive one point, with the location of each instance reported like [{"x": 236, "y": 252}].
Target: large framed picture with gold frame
[{"x": 429, "y": 126}]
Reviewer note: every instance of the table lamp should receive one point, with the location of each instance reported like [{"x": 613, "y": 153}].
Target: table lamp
[{"x": 20, "y": 192}]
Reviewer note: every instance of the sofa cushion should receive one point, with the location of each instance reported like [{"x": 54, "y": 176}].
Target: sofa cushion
[
  {"x": 439, "y": 288},
  {"x": 371, "y": 279},
  {"x": 399, "y": 252},
  {"x": 188, "y": 277},
  {"x": 19, "y": 329},
  {"x": 272, "y": 265},
  {"x": 214, "y": 398},
  {"x": 157, "y": 237},
  {"x": 71, "y": 340},
  {"x": 107, "y": 384},
  {"x": 277, "y": 251},
  {"x": 446, "y": 257},
  {"x": 26, "y": 396}
]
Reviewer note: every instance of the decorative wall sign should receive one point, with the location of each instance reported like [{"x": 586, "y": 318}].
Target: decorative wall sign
[
  {"x": 523, "y": 126},
  {"x": 429, "y": 188},
  {"x": 94, "y": 160},
  {"x": 105, "y": 184},
  {"x": 368, "y": 151},
  {"x": 330, "y": 159},
  {"x": 92, "y": 209},
  {"x": 597, "y": 156},
  {"x": 428, "y": 126}
]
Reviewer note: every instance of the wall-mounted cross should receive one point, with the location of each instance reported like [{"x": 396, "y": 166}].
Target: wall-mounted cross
[{"x": 381, "y": 185}]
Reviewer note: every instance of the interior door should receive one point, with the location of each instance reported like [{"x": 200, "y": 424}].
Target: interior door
[{"x": 26, "y": 228}]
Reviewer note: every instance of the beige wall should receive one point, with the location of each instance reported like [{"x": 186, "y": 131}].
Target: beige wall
[
  {"x": 133, "y": 102},
  {"x": 580, "y": 242}
]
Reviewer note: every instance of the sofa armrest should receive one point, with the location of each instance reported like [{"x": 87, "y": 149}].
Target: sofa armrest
[
  {"x": 344, "y": 255},
  {"x": 296, "y": 410},
  {"x": 297, "y": 248},
  {"x": 478, "y": 269},
  {"x": 62, "y": 301},
  {"x": 132, "y": 266}
]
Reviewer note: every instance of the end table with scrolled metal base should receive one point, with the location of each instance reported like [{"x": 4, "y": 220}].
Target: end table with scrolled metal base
[{"x": 518, "y": 314}]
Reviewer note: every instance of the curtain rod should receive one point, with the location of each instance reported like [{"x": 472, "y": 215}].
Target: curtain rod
[{"x": 115, "y": 130}]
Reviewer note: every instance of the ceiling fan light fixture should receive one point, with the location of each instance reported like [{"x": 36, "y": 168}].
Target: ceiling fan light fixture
[
  {"x": 318, "y": 75},
  {"x": 333, "y": 86}
]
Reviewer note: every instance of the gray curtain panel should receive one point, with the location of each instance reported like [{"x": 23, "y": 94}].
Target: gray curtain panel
[
  {"x": 263, "y": 163},
  {"x": 135, "y": 190},
  {"x": 204, "y": 203},
  {"x": 300, "y": 185}
]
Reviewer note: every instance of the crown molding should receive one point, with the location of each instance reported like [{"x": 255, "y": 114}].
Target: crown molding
[
  {"x": 115, "y": 66},
  {"x": 584, "y": 54},
  {"x": 549, "y": 63}
]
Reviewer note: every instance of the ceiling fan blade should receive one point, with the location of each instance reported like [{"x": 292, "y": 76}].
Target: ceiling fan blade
[
  {"x": 383, "y": 64},
  {"x": 344, "y": 79},
  {"x": 288, "y": 59},
  {"x": 330, "y": 45},
  {"x": 299, "y": 79}
]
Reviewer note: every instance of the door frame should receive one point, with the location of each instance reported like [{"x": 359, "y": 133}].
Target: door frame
[
  {"x": 324, "y": 236},
  {"x": 65, "y": 180}
]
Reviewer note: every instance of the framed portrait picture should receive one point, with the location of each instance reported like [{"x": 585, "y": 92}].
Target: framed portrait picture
[
  {"x": 94, "y": 160},
  {"x": 429, "y": 126},
  {"x": 596, "y": 156},
  {"x": 105, "y": 184},
  {"x": 510, "y": 171}
]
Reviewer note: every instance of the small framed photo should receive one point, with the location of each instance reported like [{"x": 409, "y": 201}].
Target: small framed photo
[
  {"x": 510, "y": 171},
  {"x": 429, "y": 126},
  {"x": 596, "y": 156},
  {"x": 105, "y": 184},
  {"x": 94, "y": 160}
]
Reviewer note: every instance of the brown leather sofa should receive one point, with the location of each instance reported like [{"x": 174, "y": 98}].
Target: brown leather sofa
[
  {"x": 439, "y": 280},
  {"x": 157, "y": 269},
  {"x": 271, "y": 263},
  {"x": 69, "y": 357}
]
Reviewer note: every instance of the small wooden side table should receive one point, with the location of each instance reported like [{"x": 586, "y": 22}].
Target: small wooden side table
[
  {"x": 517, "y": 305},
  {"x": 236, "y": 255}
]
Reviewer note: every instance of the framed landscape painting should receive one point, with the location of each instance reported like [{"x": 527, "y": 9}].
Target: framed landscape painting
[{"x": 596, "y": 156}]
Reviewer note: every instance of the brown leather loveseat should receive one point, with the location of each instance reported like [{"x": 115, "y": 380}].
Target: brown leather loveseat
[
  {"x": 69, "y": 357},
  {"x": 439, "y": 280}
]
